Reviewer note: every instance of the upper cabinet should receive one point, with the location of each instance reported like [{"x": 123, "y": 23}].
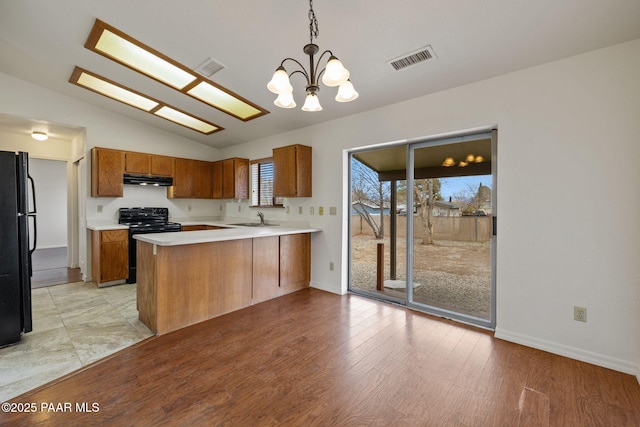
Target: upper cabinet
[
  {"x": 235, "y": 178},
  {"x": 107, "y": 168},
  {"x": 292, "y": 171},
  {"x": 192, "y": 179},
  {"x": 231, "y": 179},
  {"x": 161, "y": 165},
  {"x": 138, "y": 163},
  {"x": 148, "y": 164}
]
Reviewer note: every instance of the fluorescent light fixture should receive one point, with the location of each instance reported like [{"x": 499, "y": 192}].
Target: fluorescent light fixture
[
  {"x": 113, "y": 90},
  {"x": 39, "y": 136},
  {"x": 218, "y": 98},
  {"x": 141, "y": 59},
  {"x": 185, "y": 119},
  {"x": 120, "y": 47}
]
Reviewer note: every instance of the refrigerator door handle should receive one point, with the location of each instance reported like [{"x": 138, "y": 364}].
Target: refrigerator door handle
[{"x": 32, "y": 214}]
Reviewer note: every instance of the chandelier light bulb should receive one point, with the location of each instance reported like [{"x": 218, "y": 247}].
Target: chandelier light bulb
[
  {"x": 479, "y": 159},
  {"x": 312, "y": 103},
  {"x": 285, "y": 100},
  {"x": 334, "y": 73},
  {"x": 471, "y": 158},
  {"x": 280, "y": 82},
  {"x": 346, "y": 92}
]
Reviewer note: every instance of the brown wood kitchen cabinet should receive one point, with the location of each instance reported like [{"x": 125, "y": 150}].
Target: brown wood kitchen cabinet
[
  {"x": 231, "y": 178},
  {"x": 235, "y": 178},
  {"x": 107, "y": 168},
  {"x": 281, "y": 265},
  {"x": 148, "y": 164},
  {"x": 292, "y": 171},
  {"x": 191, "y": 180},
  {"x": 109, "y": 255}
]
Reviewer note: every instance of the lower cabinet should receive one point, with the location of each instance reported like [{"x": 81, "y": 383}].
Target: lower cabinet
[
  {"x": 109, "y": 256},
  {"x": 281, "y": 265}
]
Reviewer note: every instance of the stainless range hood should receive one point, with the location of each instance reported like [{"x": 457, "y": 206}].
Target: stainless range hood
[{"x": 154, "y": 181}]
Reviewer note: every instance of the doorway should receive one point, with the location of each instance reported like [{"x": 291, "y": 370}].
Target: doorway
[
  {"x": 51, "y": 260},
  {"x": 421, "y": 229}
]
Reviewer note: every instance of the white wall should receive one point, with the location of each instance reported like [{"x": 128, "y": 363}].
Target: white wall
[
  {"x": 568, "y": 162},
  {"x": 50, "y": 179},
  {"x": 568, "y": 157}
]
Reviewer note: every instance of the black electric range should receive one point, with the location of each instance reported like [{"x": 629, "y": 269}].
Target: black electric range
[{"x": 143, "y": 221}]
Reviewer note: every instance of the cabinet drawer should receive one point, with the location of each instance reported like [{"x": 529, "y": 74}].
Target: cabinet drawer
[{"x": 114, "y": 235}]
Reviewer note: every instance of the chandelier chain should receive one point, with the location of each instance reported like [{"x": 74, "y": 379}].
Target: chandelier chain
[{"x": 313, "y": 23}]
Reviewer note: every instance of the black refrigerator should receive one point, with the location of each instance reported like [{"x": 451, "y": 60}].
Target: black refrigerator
[{"x": 17, "y": 243}]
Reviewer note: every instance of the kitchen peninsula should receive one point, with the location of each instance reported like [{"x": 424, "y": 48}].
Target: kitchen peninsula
[{"x": 188, "y": 277}]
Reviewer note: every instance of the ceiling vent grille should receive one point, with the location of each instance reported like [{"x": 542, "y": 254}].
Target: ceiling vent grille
[
  {"x": 412, "y": 58},
  {"x": 209, "y": 67}
]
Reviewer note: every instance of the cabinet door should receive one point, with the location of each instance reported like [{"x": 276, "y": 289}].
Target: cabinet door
[
  {"x": 284, "y": 172},
  {"x": 266, "y": 268},
  {"x": 217, "y": 177},
  {"x": 292, "y": 171},
  {"x": 107, "y": 168},
  {"x": 138, "y": 163},
  {"x": 295, "y": 262},
  {"x": 183, "y": 179},
  {"x": 202, "y": 180},
  {"x": 193, "y": 227},
  {"x": 161, "y": 165},
  {"x": 241, "y": 178},
  {"x": 114, "y": 261}
]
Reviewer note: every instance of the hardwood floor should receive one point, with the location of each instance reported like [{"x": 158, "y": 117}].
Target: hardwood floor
[
  {"x": 50, "y": 268},
  {"x": 314, "y": 358}
]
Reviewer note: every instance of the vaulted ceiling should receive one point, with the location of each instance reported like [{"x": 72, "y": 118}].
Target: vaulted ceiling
[{"x": 42, "y": 41}]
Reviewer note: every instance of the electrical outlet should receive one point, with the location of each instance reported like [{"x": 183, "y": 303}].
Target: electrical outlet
[
  {"x": 331, "y": 266},
  {"x": 321, "y": 210},
  {"x": 286, "y": 210},
  {"x": 311, "y": 210},
  {"x": 332, "y": 210},
  {"x": 239, "y": 207},
  {"x": 189, "y": 208},
  {"x": 99, "y": 208},
  {"x": 579, "y": 313},
  {"x": 300, "y": 210},
  {"x": 220, "y": 208}
]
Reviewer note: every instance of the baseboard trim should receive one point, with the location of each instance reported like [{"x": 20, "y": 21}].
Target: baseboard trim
[
  {"x": 571, "y": 352},
  {"x": 323, "y": 288}
]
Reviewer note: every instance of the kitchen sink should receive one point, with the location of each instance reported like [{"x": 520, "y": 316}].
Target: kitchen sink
[{"x": 253, "y": 224}]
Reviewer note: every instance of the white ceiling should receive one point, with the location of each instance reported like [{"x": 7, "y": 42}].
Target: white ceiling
[{"x": 42, "y": 40}]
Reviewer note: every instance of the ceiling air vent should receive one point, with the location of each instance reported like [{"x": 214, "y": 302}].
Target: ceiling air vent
[
  {"x": 209, "y": 67},
  {"x": 413, "y": 58}
]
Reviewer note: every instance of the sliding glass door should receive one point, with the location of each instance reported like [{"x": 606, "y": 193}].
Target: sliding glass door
[{"x": 422, "y": 225}]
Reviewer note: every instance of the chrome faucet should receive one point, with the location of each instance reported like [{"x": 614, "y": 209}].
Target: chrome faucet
[{"x": 261, "y": 215}]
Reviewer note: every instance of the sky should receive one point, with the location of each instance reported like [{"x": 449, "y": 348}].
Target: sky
[{"x": 451, "y": 186}]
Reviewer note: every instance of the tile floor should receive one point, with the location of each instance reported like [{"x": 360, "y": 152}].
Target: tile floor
[{"x": 74, "y": 325}]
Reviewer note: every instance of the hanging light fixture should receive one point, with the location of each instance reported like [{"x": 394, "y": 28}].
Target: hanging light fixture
[{"x": 334, "y": 74}]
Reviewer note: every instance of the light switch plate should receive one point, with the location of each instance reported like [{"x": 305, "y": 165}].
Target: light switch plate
[
  {"x": 332, "y": 210},
  {"x": 320, "y": 210}
]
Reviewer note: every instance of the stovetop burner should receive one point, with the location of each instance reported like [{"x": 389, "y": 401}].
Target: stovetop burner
[{"x": 147, "y": 219}]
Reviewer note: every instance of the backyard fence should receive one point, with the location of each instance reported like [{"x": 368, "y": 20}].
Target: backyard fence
[{"x": 460, "y": 229}]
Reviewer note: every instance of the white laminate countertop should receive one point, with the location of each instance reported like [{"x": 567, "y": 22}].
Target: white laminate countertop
[{"x": 206, "y": 236}]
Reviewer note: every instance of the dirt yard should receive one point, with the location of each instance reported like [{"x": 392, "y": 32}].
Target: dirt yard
[{"x": 452, "y": 275}]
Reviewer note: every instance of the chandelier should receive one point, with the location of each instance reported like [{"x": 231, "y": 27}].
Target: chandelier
[{"x": 334, "y": 74}]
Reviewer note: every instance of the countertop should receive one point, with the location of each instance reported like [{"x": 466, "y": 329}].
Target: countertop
[
  {"x": 231, "y": 232},
  {"x": 206, "y": 236}
]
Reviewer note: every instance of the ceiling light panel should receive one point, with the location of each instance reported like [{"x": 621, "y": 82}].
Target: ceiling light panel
[
  {"x": 214, "y": 96},
  {"x": 120, "y": 47},
  {"x": 113, "y": 90},
  {"x": 142, "y": 60},
  {"x": 185, "y": 119}
]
